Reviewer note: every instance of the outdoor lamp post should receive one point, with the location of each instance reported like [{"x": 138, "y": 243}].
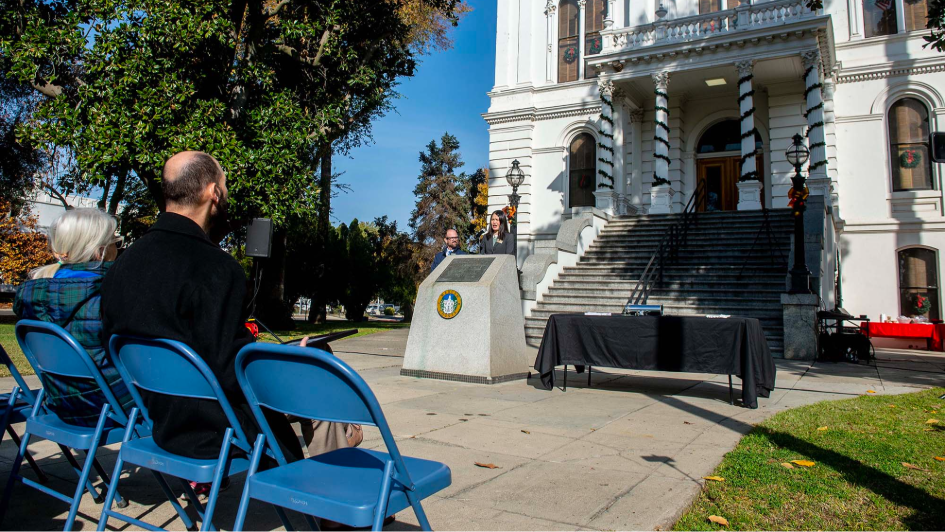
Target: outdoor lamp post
[
  {"x": 797, "y": 155},
  {"x": 515, "y": 177}
]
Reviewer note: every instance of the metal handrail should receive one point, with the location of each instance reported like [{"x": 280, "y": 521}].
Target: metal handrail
[{"x": 667, "y": 252}]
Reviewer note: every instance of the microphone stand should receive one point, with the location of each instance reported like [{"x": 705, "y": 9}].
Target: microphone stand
[{"x": 252, "y": 304}]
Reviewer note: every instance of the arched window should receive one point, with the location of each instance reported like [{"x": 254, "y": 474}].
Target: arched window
[
  {"x": 918, "y": 283},
  {"x": 569, "y": 26},
  {"x": 910, "y": 166},
  {"x": 711, "y": 6},
  {"x": 594, "y": 12},
  {"x": 582, "y": 167}
]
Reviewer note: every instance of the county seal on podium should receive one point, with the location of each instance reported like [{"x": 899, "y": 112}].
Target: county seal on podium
[{"x": 449, "y": 304}]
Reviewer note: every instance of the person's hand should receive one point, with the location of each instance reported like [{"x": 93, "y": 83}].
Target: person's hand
[{"x": 304, "y": 342}]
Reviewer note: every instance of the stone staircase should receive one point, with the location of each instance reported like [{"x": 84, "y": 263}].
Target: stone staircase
[{"x": 704, "y": 280}]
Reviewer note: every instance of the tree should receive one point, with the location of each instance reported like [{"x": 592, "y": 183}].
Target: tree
[
  {"x": 478, "y": 195},
  {"x": 261, "y": 85},
  {"x": 360, "y": 271},
  {"x": 398, "y": 266},
  {"x": 22, "y": 246},
  {"x": 936, "y": 23},
  {"x": 19, "y": 159},
  {"x": 442, "y": 199}
]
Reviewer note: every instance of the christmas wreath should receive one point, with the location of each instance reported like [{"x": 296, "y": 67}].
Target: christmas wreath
[
  {"x": 570, "y": 54},
  {"x": 596, "y": 45},
  {"x": 920, "y": 304},
  {"x": 910, "y": 158},
  {"x": 798, "y": 200},
  {"x": 509, "y": 212}
]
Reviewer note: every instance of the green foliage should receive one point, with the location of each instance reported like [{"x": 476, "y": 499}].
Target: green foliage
[
  {"x": 259, "y": 85},
  {"x": 442, "y": 199},
  {"x": 388, "y": 311},
  {"x": 936, "y": 23}
]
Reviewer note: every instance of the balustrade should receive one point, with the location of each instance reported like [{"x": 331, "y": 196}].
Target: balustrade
[{"x": 701, "y": 26}]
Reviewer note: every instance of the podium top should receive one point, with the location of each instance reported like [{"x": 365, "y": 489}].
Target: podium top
[{"x": 465, "y": 271}]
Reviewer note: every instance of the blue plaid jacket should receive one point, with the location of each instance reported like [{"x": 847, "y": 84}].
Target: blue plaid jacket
[{"x": 73, "y": 303}]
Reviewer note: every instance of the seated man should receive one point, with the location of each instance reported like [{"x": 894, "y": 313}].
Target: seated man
[{"x": 176, "y": 283}]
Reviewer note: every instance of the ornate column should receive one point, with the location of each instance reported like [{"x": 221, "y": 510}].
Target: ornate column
[
  {"x": 582, "y": 6},
  {"x": 636, "y": 157},
  {"x": 830, "y": 134},
  {"x": 550, "y": 9},
  {"x": 604, "y": 193},
  {"x": 749, "y": 181},
  {"x": 660, "y": 190},
  {"x": 818, "y": 182}
]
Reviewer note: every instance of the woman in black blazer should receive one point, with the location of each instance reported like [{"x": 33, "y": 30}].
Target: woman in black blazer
[{"x": 498, "y": 241}]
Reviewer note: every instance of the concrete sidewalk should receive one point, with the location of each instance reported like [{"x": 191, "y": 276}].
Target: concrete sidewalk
[{"x": 627, "y": 453}]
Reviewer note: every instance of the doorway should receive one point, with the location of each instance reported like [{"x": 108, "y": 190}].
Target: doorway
[{"x": 718, "y": 164}]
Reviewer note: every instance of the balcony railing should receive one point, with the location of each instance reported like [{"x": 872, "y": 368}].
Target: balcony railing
[{"x": 745, "y": 17}]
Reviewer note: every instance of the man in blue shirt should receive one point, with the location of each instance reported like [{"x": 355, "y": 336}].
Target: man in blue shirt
[{"x": 452, "y": 248}]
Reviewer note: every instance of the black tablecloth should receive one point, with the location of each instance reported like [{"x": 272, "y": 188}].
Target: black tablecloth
[{"x": 735, "y": 346}]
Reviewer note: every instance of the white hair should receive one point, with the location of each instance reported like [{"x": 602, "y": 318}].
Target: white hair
[{"x": 78, "y": 235}]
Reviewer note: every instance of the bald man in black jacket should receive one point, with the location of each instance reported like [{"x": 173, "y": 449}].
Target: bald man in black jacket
[{"x": 176, "y": 283}]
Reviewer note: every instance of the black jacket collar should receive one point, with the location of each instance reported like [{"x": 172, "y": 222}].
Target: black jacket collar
[{"x": 175, "y": 223}]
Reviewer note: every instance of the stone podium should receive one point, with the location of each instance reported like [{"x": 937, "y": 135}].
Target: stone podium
[{"x": 467, "y": 323}]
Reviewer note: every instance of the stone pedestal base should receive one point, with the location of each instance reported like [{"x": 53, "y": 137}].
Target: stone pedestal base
[
  {"x": 818, "y": 185},
  {"x": 800, "y": 326},
  {"x": 467, "y": 324},
  {"x": 660, "y": 200},
  {"x": 605, "y": 200},
  {"x": 749, "y": 195}
]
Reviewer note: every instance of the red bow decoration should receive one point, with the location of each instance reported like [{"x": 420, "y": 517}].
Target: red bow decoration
[{"x": 798, "y": 199}]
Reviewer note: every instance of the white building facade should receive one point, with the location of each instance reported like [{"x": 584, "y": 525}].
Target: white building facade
[{"x": 602, "y": 100}]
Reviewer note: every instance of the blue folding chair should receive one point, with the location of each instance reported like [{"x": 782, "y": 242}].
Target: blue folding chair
[
  {"x": 16, "y": 407},
  {"x": 357, "y": 487},
  {"x": 50, "y": 349},
  {"x": 169, "y": 367}
]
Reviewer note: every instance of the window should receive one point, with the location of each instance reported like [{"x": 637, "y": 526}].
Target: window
[
  {"x": 879, "y": 17},
  {"x": 916, "y": 13},
  {"x": 918, "y": 283},
  {"x": 910, "y": 166},
  {"x": 711, "y": 6},
  {"x": 582, "y": 166},
  {"x": 568, "y": 29},
  {"x": 594, "y": 12}
]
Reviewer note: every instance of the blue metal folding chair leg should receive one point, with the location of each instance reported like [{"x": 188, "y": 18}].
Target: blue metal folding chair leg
[
  {"x": 258, "y": 450},
  {"x": 113, "y": 488},
  {"x": 5, "y": 427},
  {"x": 81, "y": 487}
]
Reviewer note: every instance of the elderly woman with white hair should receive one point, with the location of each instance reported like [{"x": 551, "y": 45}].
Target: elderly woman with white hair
[{"x": 68, "y": 293}]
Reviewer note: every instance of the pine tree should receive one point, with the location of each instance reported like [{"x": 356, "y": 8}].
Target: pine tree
[{"x": 442, "y": 199}]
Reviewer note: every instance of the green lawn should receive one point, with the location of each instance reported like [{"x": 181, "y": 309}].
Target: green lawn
[
  {"x": 8, "y": 341},
  {"x": 858, "y": 480}
]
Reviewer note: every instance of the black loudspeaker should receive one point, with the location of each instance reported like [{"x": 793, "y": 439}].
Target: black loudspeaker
[
  {"x": 259, "y": 238},
  {"x": 937, "y": 143}
]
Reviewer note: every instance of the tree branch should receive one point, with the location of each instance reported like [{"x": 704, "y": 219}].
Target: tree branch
[
  {"x": 313, "y": 61},
  {"x": 48, "y": 89},
  {"x": 55, "y": 193},
  {"x": 275, "y": 11}
]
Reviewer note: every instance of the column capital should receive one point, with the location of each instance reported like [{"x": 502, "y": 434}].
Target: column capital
[
  {"x": 605, "y": 86},
  {"x": 550, "y": 7},
  {"x": 811, "y": 58},
  {"x": 744, "y": 67},
  {"x": 582, "y": 3},
  {"x": 661, "y": 80},
  {"x": 636, "y": 116}
]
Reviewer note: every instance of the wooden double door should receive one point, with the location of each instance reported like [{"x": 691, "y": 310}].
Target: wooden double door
[{"x": 720, "y": 175}]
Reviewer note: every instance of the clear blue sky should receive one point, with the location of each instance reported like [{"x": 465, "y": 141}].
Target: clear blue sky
[{"x": 448, "y": 93}]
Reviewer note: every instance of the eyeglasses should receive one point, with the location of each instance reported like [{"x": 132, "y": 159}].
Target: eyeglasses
[
  {"x": 119, "y": 242},
  {"x": 452, "y": 238}
]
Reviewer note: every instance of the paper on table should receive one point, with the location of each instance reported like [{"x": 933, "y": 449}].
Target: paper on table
[
  {"x": 597, "y": 313},
  {"x": 718, "y": 315}
]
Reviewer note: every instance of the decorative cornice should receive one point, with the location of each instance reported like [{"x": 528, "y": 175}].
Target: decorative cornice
[
  {"x": 535, "y": 115},
  {"x": 889, "y": 73}
]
